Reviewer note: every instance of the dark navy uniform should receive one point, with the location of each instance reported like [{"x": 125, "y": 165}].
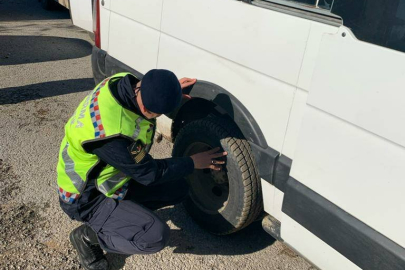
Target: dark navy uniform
[{"x": 129, "y": 226}]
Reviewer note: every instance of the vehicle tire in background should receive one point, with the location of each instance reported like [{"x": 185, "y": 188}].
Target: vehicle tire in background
[
  {"x": 226, "y": 201},
  {"x": 48, "y": 4}
]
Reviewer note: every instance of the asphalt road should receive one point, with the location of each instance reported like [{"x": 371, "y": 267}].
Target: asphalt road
[{"x": 45, "y": 71}]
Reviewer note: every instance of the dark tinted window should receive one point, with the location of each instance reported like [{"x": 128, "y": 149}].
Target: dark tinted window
[
  {"x": 381, "y": 22},
  {"x": 324, "y": 4},
  {"x": 307, "y": 2}
]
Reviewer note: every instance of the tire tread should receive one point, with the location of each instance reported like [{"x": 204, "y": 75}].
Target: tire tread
[{"x": 253, "y": 205}]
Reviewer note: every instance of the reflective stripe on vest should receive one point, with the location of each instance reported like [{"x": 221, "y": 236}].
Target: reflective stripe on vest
[
  {"x": 111, "y": 182},
  {"x": 67, "y": 197},
  {"x": 99, "y": 131},
  {"x": 138, "y": 128},
  {"x": 77, "y": 181},
  {"x": 120, "y": 193}
]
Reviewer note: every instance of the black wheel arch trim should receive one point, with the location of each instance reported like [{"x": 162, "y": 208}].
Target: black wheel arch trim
[
  {"x": 232, "y": 106},
  {"x": 264, "y": 155},
  {"x": 349, "y": 236}
]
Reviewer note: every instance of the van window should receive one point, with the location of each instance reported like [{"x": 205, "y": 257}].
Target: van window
[
  {"x": 381, "y": 22},
  {"x": 324, "y": 4}
]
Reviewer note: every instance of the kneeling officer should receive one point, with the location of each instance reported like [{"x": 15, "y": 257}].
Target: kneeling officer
[{"x": 107, "y": 179}]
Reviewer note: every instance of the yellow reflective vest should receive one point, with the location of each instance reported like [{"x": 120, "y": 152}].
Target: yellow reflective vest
[{"x": 98, "y": 117}]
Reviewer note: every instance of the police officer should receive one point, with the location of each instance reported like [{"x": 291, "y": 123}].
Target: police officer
[{"x": 107, "y": 179}]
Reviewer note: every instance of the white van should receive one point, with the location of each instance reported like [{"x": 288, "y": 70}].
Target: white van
[{"x": 308, "y": 98}]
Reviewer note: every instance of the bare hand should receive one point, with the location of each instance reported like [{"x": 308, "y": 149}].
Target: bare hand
[
  {"x": 186, "y": 82},
  {"x": 206, "y": 160}
]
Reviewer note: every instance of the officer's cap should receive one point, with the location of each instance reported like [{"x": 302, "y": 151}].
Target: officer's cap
[{"x": 160, "y": 91}]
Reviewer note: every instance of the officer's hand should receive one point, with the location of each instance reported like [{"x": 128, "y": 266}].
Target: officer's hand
[
  {"x": 186, "y": 82},
  {"x": 206, "y": 160}
]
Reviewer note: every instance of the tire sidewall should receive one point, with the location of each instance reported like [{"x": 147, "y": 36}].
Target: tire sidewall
[{"x": 228, "y": 219}]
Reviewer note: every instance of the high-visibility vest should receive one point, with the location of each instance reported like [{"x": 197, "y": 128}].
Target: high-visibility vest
[{"x": 98, "y": 117}]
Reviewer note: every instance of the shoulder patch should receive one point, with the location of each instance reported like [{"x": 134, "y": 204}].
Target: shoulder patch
[{"x": 137, "y": 151}]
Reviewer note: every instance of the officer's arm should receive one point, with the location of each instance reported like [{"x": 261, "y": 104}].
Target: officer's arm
[{"x": 147, "y": 171}]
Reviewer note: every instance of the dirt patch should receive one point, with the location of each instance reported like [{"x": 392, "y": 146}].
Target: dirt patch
[
  {"x": 8, "y": 183},
  {"x": 19, "y": 225},
  {"x": 20, "y": 248},
  {"x": 23, "y": 230}
]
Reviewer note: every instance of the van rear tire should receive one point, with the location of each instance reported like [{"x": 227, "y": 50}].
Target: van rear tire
[{"x": 227, "y": 201}]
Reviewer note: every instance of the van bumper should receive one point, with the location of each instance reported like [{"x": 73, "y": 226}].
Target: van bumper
[{"x": 98, "y": 64}]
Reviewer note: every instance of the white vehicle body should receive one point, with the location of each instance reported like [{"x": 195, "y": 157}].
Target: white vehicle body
[{"x": 331, "y": 106}]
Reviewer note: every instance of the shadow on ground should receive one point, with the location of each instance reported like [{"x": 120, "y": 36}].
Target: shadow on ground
[
  {"x": 192, "y": 239},
  {"x": 15, "y": 50},
  {"x": 19, "y": 10},
  {"x": 13, "y": 95}
]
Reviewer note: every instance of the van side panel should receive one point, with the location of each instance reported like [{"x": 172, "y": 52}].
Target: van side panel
[
  {"x": 294, "y": 123},
  {"x": 263, "y": 40},
  {"x": 313, "y": 248},
  {"x": 373, "y": 99},
  {"x": 134, "y": 33},
  {"x": 318, "y": 30},
  {"x": 144, "y": 12},
  {"x": 356, "y": 170},
  {"x": 219, "y": 41},
  {"x": 255, "y": 90},
  {"x": 104, "y": 27},
  {"x": 272, "y": 200},
  {"x": 81, "y": 13},
  {"x": 133, "y": 43},
  {"x": 350, "y": 146}
]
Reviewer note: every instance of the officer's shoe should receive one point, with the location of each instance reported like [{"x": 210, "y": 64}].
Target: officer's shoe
[{"x": 85, "y": 241}]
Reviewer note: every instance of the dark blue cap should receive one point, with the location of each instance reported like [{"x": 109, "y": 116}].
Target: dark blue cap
[{"x": 160, "y": 91}]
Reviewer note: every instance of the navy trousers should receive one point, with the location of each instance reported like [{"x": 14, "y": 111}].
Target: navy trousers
[{"x": 130, "y": 226}]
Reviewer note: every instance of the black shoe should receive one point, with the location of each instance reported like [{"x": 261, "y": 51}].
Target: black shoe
[{"x": 91, "y": 256}]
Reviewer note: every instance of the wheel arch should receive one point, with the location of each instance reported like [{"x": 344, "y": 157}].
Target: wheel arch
[{"x": 209, "y": 98}]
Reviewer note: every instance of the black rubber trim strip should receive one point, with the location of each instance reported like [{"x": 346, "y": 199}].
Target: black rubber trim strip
[
  {"x": 355, "y": 240},
  {"x": 98, "y": 64},
  {"x": 104, "y": 65},
  {"x": 265, "y": 160},
  {"x": 113, "y": 66},
  {"x": 282, "y": 172}
]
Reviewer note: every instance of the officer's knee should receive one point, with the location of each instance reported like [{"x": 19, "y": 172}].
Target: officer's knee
[{"x": 155, "y": 239}]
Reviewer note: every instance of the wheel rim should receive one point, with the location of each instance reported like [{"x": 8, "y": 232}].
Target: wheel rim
[{"x": 209, "y": 189}]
